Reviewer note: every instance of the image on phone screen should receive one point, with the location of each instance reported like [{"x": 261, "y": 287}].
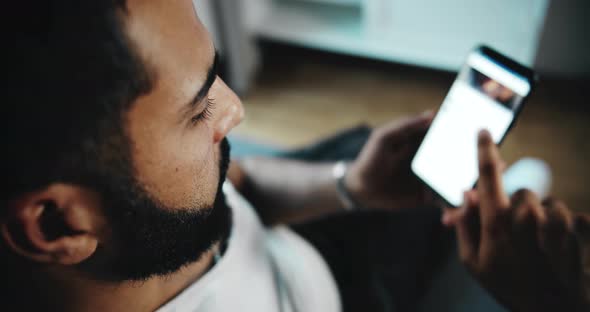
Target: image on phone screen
[{"x": 486, "y": 95}]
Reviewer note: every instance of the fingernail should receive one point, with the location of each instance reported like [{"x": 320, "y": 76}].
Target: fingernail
[
  {"x": 484, "y": 133},
  {"x": 428, "y": 113}
]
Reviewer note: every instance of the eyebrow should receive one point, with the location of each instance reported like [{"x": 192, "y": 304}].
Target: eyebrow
[{"x": 211, "y": 76}]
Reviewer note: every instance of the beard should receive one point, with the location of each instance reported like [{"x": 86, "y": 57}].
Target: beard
[{"x": 148, "y": 239}]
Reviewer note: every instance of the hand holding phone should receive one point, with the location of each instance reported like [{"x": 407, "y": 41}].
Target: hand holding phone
[{"x": 488, "y": 94}]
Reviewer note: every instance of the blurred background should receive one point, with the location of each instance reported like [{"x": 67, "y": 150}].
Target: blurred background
[{"x": 306, "y": 69}]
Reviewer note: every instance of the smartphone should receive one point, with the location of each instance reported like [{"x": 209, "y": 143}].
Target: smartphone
[{"x": 488, "y": 93}]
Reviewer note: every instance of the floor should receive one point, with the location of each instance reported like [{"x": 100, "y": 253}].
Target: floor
[{"x": 302, "y": 95}]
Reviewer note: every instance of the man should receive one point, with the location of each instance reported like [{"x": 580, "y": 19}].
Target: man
[{"x": 115, "y": 125}]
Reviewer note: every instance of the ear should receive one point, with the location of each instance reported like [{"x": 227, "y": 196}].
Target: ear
[{"x": 58, "y": 224}]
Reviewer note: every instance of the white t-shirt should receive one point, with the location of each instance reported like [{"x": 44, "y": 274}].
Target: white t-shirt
[{"x": 262, "y": 270}]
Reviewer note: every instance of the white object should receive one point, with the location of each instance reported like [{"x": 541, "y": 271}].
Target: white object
[
  {"x": 263, "y": 270},
  {"x": 528, "y": 173}
]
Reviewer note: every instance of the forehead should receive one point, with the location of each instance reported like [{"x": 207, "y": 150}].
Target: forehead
[{"x": 169, "y": 37}]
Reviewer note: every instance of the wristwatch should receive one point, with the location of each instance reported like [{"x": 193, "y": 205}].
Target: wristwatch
[{"x": 339, "y": 172}]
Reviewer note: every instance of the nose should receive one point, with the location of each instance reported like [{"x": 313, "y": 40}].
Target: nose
[{"x": 232, "y": 110}]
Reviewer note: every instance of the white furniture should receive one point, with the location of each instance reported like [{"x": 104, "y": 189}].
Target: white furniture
[{"x": 431, "y": 33}]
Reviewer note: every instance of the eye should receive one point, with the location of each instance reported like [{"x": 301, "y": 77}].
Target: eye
[{"x": 205, "y": 114}]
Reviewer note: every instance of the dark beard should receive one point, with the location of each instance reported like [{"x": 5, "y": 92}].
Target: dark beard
[{"x": 150, "y": 240}]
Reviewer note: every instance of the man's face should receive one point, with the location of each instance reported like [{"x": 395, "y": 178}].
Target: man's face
[
  {"x": 174, "y": 210},
  {"x": 176, "y": 155}
]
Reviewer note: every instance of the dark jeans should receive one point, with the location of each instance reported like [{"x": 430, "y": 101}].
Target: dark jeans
[{"x": 382, "y": 261}]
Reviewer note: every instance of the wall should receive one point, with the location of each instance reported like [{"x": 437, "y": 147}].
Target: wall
[{"x": 564, "y": 49}]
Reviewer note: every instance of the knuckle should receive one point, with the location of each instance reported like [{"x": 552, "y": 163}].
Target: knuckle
[
  {"x": 487, "y": 168},
  {"x": 560, "y": 205},
  {"x": 549, "y": 202},
  {"x": 559, "y": 218},
  {"x": 484, "y": 141},
  {"x": 523, "y": 196},
  {"x": 524, "y": 214},
  {"x": 559, "y": 208}
]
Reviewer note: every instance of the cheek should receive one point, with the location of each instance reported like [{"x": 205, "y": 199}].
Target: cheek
[{"x": 180, "y": 170}]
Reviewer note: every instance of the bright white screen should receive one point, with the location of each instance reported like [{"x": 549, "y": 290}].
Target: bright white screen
[{"x": 484, "y": 96}]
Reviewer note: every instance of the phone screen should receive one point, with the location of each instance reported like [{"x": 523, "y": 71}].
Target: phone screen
[{"x": 485, "y": 95}]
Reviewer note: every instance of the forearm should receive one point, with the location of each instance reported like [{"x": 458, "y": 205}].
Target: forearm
[{"x": 287, "y": 191}]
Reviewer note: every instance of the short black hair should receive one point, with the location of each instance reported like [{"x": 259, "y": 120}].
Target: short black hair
[{"x": 70, "y": 76}]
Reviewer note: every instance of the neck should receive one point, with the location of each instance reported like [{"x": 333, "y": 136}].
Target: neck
[{"x": 72, "y": 293}]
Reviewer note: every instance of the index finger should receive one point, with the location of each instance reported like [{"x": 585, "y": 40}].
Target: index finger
[{"x": 490, "y": 188}]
